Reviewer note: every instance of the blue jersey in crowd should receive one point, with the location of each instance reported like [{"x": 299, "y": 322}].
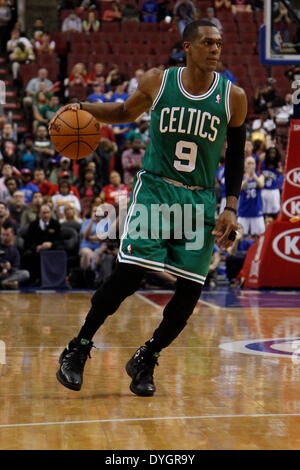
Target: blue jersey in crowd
[
  {"x": 150, "y": 7},
  {"x": 97, "y": 98},
  {"x": 271, "y": 177},
  {"x": 119, "y": 98},
  {"x": 220, "y": 175},
  {"x": 28, "y": 191},
  {"x": 250, "y": 203}
]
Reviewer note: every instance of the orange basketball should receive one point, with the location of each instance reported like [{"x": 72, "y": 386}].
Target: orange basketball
[{"x": 75, "y": 134}]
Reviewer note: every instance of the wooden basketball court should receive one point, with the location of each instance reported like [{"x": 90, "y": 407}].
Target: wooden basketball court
[{"x": 244, "y": 395}]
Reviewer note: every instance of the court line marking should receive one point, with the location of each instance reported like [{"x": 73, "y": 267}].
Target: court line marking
[
  {"x": 155, "y": 418},
  {"x": 141, "y": 296}
]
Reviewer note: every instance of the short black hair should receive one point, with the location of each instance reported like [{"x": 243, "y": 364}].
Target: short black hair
[
  {"x": 191, "y": 30},
  {"x": 8, "y": 224}
]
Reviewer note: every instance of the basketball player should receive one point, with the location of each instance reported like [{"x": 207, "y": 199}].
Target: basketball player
[{"x": 193, "y": 109}]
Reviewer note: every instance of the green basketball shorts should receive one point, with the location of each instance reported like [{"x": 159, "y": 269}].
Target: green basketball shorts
[{"x": 168, "y": 228}]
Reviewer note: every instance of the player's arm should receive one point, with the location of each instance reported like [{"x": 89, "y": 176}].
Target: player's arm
[
  {"x": 234, "y": 165},
  {"x": 134, "y": 106}
]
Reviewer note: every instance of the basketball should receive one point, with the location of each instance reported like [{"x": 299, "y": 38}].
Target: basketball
[{"x": 75, "y": 134}]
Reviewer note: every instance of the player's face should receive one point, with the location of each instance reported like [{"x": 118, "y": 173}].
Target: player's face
[{"x": 204, "y": 51}]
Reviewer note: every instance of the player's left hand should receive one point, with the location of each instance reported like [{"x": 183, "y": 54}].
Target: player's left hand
[{"x": 226, "y": 224}]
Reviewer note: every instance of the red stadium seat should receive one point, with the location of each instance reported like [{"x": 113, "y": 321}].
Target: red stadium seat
[
  {"x": 79, "y": 91},
  {"x": 149, "y": 27},
  {"x": 110, "y": 27},
  {"x": 80, "y": 48},
  {"x": 132, "y": 26}
]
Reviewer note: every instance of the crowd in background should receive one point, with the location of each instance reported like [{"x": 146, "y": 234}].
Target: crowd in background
[{"x": 48, "y": 202}]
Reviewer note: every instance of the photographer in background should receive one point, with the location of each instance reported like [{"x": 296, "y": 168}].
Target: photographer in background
[{"x": 10, "y": 273}]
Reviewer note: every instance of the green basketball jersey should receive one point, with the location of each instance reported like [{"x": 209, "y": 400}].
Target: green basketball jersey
[{"x": 187, "y": 131}]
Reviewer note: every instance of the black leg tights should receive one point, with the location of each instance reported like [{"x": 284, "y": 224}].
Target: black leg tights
[
  {"x": 176, "y": 314},
  {"x": 123, "y": 282}
]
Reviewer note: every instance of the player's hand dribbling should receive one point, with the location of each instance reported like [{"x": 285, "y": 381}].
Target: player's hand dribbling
[
  {"x": 226, "y": 224},
  {"x": 71, "y": 106}
]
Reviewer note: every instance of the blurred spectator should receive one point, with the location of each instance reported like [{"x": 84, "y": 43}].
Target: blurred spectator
[
  {"x": 141, "y": 131},
  {"x": 132, "y": 160},
  {"x": 237, "y": 253},
  {"x": 32, "y": 87},
  {"x": 32, "y": 211},
  {"x": 250, "y": 213},
  {"x": 210, "y": 16},
  {"x": 38, "y": 104},
  {"x": 38, "y": 25},
  {"x": 221, "y": 4},
  {"x": 113, "y": 192},
  {"x": 91, "y": 24},
  {"x": 293, "y": 73},
  {"x": 20, "y": 55},
  {"x": 225, "y": 72},
  {"x": 7, "y": 171},
  {"x": 184, "y": 13},
  {"x": 28, "y": 156},
  {"x": 121, "y": 132},
  {"x": 78, "y": 75},
  {"x": 89, "y": 5},
  {"x": 15, "y": 39},
  {"x": 97, "y": 95},
  {"x": 5, "y": 17},
  {"x": 134, "y": 81},
  {"x": 212, "y": 275},
  {"x": 4, "y": 213},
  {"x": 90, "y": 241},
  {"x": 240, "y": 5},
  {"x": 10, "y": 273},
  {"x": 61, "y": 171},
  {"x": 130, "y": 12},
  {"x": 45, "y": 44},
  {"x": 88, "y": 186},
  {"x": 72, "y": 23},
  {"x": 120, "y": 95},
  {"x": 284, "y": 113},
  {"x": 70, "y": 218},
  {"x": 96, "y": 76},
  {"x": 165, "y": 12},
  {"x": 112, "y": 13},
  {"x": 48, "y": 110},
  {"x": 63, "y": 197},
  {"x": 6, "y": 195},
  {"x": 150, "y": 11},
  {"x": 64, "y": 176},
  {"x": 17, "y": 207},
  {"x": 220, "y": 176},
  {"x": 43, "y": 147},
  {"x": 113, "y": 78},
  {"x": 104, "y": 260},
  {"x": 42, "y": 234},
  {"x": 265, "y": 97},
  {"x": 177, "y": 54},
  {"x": 281, "y": 20},
  {"x": 41, "y": 182},
  {"x": 26, "y": 186},
  {"x": 271, "y": 170},
  {"x": 8, "y": 144}
]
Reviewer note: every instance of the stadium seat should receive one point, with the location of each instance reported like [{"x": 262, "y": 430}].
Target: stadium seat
[
  {"x": 110, "y": 27},
  {"x": 132, "y": 26},
  {"x": 152, "y": 27},
  {"x": 79, "y": 91}
]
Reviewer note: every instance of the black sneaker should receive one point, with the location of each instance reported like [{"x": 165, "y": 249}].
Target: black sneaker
[
  {"x": 140, "y": 368},
  {"x": 72, "y": 361}
]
